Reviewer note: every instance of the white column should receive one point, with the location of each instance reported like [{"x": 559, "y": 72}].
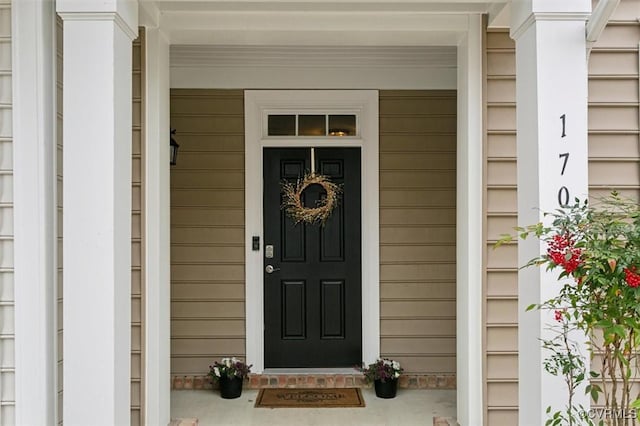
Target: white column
[
  {"x": 469, "y": 226},
  {"x": 552, "y": 127},
  {"x": 97, "y": 209},
  {"x": 34, "y": 157},
  {"x": 157, "y": 280}
]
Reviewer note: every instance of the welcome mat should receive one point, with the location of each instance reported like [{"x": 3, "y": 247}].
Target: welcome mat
[{"x": 309, "y": 398}]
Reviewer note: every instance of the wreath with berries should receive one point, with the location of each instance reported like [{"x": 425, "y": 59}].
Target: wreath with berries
[{"x": 295, "y": 208}]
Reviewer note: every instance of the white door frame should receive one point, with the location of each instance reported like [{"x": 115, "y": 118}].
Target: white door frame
[{"x": 364, "y": 103}]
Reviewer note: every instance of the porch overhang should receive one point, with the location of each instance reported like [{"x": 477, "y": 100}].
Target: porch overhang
[{"x": 305, "y": 22}]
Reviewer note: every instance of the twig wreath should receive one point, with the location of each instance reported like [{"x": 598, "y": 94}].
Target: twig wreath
[{"x": 292, "y": 202}]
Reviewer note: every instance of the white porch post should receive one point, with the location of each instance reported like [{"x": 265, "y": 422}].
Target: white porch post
[
  {"x": 552, "y": 126},
  {"x": 97, "y": 209},
  {"x": 469, "y": 226},
  {"x": 157, "y": 280},
  {"x": 34, "y": 218}
]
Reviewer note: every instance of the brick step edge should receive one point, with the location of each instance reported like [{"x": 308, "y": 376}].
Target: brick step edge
[
  {"x": 445, "y": 421},
  {"x": 184, "y": 422},
  {"x": 258, "y": 381}
]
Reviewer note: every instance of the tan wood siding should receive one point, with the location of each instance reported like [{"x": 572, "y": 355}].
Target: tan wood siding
[
  {"x": 501, "y": 292},
  {"x": 7, "y": 362},
  {"x": 137, "y": 235},
  {"x": 417, "y": 229},
  {"x": 207, "y": 229},
  {"x": 614, "y": 160},
  {"x": 614, "y": 105},
  {"x": 614, "y": 111},
  {"x": 59, "y": 174}
]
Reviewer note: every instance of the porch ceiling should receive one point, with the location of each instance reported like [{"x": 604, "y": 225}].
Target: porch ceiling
[{"x": 314, "y": 22}]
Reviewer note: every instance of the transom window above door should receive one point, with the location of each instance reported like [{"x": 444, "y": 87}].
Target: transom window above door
[{"x": 312, "y": 125}]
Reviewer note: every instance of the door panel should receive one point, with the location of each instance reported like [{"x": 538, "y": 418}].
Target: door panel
[{"x": 312, "y": 301}]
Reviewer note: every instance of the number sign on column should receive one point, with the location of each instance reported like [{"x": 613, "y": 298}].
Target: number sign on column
[{"x": 563, "y": 192}]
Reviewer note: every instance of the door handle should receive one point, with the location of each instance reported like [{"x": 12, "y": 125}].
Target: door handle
[{"x": 270, "y": 269}]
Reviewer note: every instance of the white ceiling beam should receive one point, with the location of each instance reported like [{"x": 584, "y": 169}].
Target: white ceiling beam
[
  {"x": 318, "y": 22},
  {"x": 318, "y": 28},
  {"x": 310, "y": 5},
  {"x": 323, "y": 21}
]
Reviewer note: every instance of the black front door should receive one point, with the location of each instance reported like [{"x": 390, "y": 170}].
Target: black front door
[{"x": 312, "y": 299}]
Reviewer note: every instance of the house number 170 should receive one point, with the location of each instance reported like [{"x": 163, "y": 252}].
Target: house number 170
[{"x": 563, "y": 192}]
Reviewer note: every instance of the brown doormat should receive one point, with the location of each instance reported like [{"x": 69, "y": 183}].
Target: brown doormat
[{"x": 309, "y": 398}]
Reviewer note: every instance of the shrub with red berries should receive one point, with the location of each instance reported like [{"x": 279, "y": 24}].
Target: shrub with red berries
[
  {"x": 562, "y": 252},
  {"x": 631, "y": 277},
  {"x": 596, "y": 250}
]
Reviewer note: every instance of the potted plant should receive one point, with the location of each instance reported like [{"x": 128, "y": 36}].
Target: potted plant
[
  {"x": 384, "y": 374},
  {"x": 229, "y": 373}
]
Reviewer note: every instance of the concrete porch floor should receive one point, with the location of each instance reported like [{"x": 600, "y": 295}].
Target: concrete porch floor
[{"x": 409, "y": 407}]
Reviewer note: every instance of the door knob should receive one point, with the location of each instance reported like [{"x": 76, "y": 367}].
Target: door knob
[{"x": 270, "y": 269}]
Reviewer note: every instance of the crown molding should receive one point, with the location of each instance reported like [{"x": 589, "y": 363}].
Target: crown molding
[
  {"x": 313, "y": 56},
  {"x": 547, "y": 16},
  {"x": 102, "y": 16}
]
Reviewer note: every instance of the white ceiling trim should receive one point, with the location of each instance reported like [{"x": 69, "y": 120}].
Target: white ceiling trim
[
  {"x": 313, "y": 56},
  {"x": 314, "y": 28},
  {"x": 449, "y": 6}
]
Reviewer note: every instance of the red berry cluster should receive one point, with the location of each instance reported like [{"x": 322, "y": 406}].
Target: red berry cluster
[
  {"x": 558, "y": 314},
  {"x": 563, "y": 253},
  {"x": 631, "y": 277}
]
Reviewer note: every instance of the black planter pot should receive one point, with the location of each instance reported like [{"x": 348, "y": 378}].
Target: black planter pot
[
  {"x": 386, "y": 389},
  {"x": 230, "y": 387}
]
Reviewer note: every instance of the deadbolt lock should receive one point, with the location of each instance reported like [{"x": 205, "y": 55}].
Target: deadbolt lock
[{"x": 268, "y": 251}]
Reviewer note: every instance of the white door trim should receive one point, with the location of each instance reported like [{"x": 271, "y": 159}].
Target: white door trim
[
  {"x": 365, "y": 102},
  {"x": 157, "y": 284},
  {"x": 469, "y": 228}
]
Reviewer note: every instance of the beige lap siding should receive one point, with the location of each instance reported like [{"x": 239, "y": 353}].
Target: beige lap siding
[
  {"x": 614, "y": 159},
  {"x": 500, "y": 301},
  {"x": 614, "y": 151},
  {"x": 7, "y": 362},
  {"x": 417, "y": 229},
  {"x": 137, "y": 236},
  {"x": 613, "y": 105},
  {"x": 207, "y": 229}
]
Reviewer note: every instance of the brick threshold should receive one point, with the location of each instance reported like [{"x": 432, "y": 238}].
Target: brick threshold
[
  {"x": 437, "y": 421},
  {"x": 259, "y": 381},
  {"x": 445, "y": 421}
]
